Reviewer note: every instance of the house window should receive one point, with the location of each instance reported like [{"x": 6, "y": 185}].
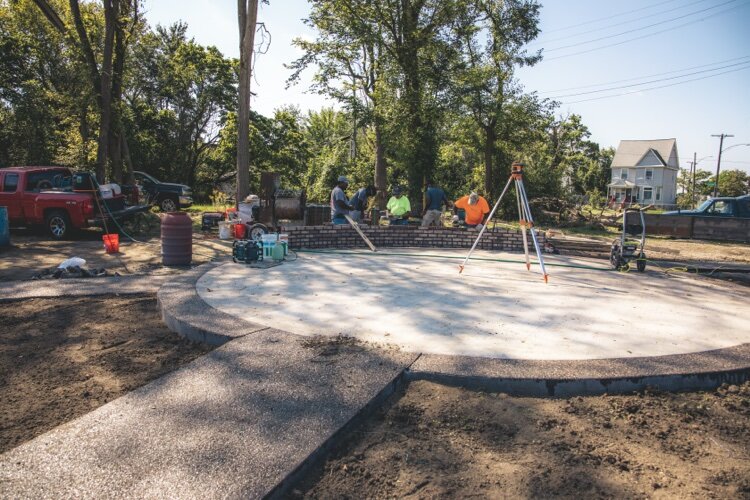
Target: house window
[
  {"x": 658, "y": 194},
  {"x": 647, "y": 192},
  {"x": 624, "y": 174},
  {"x": 649, "y": 174}
]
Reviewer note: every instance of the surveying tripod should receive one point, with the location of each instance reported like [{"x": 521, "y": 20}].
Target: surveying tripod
[{"x": 525, "y": 219}]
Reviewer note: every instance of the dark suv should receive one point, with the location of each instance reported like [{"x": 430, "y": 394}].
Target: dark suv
[
  {"x": 169, "y": 197},
  {"x": 720, "y": 207}
]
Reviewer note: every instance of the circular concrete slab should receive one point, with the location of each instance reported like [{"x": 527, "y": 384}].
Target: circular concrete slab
[{"x": 492, "y": 310}]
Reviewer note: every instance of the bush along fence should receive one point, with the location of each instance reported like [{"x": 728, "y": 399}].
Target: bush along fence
[{"x": 330, "y": 236}]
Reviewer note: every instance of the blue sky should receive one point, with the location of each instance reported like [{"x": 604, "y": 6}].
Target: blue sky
[{"x": 700, "y": 37}]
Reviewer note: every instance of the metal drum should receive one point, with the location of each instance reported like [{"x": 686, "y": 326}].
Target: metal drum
[
  {"x": 176, "y": 239},
  {"x": 317, "y": 215},
  {"x": 4, "y": 227}
]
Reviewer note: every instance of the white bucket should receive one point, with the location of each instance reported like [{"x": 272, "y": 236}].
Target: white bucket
[
  {"x": 225, "y": 230},
  {"x": 246, "y": 212}
]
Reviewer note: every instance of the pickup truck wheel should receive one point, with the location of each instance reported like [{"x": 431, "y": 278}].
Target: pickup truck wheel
[
  {"x": 57, "y": 224},
  {"x": 168, "y": 205}
]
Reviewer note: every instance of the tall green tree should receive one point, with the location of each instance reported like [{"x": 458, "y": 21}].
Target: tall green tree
[
  {"x": 348, "y": 52},
  {"x": 734, "y": 183},
  {"x": 493, "y": 36}
]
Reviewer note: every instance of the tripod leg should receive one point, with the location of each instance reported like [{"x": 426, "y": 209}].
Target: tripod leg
[
  {"x": 522, "y": 220},
  {"x": 525, "y": 201},
  {"x": 461, "y": 267}
]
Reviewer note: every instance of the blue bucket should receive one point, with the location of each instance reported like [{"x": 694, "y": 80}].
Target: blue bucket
[{"x": 4, "y": 227}]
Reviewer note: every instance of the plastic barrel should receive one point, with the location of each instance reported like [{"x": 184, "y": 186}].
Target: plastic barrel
[
  {"x": 176, "y": 239},
  {"x": 4, "y": 227}
]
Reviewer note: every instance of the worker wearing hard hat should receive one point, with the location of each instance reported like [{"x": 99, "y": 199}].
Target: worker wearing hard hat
[
  {"x": 476, "y": 209},
  {"x": 340, "y": 206}
]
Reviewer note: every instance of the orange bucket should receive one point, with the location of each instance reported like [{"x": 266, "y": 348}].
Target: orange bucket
[
  {"x": 111, "y": 242},
  {"x": 239, "y": 231}
]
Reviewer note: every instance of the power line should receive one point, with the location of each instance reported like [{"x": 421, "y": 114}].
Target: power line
[
  {"x": 586, "y": 42},
  {"x": 658, "y": 87},
  {"x": 564, "y": 28},
  {"x": 645, "y": 36},
  {"x": 651, "y": 81},
  {"x": 642, "y": 77},
  {"x": 543, "y": 40}
]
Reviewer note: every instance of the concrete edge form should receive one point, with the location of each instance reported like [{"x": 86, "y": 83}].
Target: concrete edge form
[
  {"x": 677, "y": 372},
  {"x": 585, "y": 387},
  {"x": 317, "y": 457},
  {"x": 186, "y": 314}
]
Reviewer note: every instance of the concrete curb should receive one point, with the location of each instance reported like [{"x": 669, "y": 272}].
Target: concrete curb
[
  {"x": 186, "y": 314},
  {"x": 677, "y": 372}
]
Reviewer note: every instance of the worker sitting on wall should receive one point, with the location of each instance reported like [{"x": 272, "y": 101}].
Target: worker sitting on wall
[
  {"x": 476, "y": 209},
  {"x": 434, "y": 200},
  {"x": 340, "y": 206},
  {"x": 359, "y": 201},
  {"x": 398, "y": 208}
]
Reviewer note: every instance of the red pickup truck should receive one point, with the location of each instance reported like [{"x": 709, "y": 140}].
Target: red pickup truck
[{"x": 59, "y": 200}]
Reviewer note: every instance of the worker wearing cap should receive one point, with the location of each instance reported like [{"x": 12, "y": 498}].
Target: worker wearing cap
[
  {"x": 476, "y": 209},
  {"x": 399, "y": 208},
  {"x": 359, "y": 201},
  {"x": 339, "y": 204}
]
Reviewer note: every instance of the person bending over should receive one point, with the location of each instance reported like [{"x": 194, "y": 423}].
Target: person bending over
[{"x": 476, "y": 209}]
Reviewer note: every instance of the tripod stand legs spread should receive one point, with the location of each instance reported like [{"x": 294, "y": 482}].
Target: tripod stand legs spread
[{"x": 525, "y": 219}]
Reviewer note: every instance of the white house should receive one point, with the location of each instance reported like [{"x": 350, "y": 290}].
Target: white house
[{"x": 645, "y": 172}]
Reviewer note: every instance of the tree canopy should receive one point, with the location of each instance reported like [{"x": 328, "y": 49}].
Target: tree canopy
[{"x": 426, "y": 89}]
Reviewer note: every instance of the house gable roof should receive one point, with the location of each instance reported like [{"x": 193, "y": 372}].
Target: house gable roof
[
  {"x": 634, "y": 153},
  {"x": 651, "y": 158}
]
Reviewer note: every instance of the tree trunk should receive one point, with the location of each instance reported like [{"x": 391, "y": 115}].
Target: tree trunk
[
  {"x": 247, "y": 14},
  {"x": 111, "y": 12},
  {"x": 381, "y": 181},
  {"x": 118, "y": 66},
  {"x": 129, "y": 178},
  {"x": 489, "y": 153}
]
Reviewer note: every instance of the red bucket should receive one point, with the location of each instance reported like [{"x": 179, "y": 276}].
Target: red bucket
[
  {"x": 239, "y": 231},
  {"x": 111, "y": 242}
]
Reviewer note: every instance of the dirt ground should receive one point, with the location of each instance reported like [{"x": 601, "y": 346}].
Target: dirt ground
[
  {"x": 62, "y": 358},
  {"x": 433, "y": 441},
  {"x": 670, "y": 249},
  {"x": 31, "y": 253}
]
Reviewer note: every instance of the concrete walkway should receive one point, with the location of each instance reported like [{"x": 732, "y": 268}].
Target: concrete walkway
[
  {"x": 123, "y": 285},
  {"x": 233, "y": 424}
]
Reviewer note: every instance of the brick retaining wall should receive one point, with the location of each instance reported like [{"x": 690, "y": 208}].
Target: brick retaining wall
[{"x": 341, "y": 236}]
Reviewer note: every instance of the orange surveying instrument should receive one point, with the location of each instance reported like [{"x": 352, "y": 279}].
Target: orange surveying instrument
[{"x": 525, "y": 219}]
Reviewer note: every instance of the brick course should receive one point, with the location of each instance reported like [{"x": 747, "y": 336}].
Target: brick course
[{"x": 341, "y": 236}]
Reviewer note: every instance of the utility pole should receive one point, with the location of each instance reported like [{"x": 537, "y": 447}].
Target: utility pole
[
  {"x": 718, "y": 162},
  {"x": 692, "y": 190}
]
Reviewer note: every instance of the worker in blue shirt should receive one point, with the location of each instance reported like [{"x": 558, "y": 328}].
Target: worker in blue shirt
[
  {"x": 435, "y": 198},
  {"x": 359, "y": 201}
]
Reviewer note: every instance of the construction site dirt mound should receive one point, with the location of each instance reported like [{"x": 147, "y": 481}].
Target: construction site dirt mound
[
  {"x": 61, "y": 358},
  {"x": 433, "y": 441}
]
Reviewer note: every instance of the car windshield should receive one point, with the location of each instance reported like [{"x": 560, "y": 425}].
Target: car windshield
[
  {"x": 705, "y": 205},
  {"x": 146, "y": 178}
]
